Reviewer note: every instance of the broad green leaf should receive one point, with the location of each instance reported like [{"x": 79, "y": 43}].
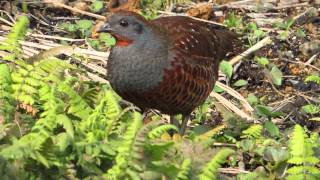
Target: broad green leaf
[
  {"x": 226, "y": 68},
  {"x": 63, "y": 140},
  {"x": 84, "y": 24},
  {"x": 266, "y": 111},
  {"x": 272, "y": 129},
  {"x": 240, "y": 82},
  {"x": 275, "y": 154},
  {"x": 107, "y": 39},
  {"x": 300, "y": 33},
  {"x": 261, "y": 61},
  {"x": 96, "y": 6},
  {"x": 252, "y": 99},
  {"x": 276, "y": 76},
  {"x": 311, "y": 109},
  {"x": 218, "y": 89}
]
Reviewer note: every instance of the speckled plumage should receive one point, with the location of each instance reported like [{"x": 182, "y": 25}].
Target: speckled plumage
[{"x": 172, "y": 64}]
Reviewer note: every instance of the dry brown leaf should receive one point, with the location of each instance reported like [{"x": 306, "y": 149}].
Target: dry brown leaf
[
  {"x": 202, "y": 10},
  {"x": 128, "y": 5}
]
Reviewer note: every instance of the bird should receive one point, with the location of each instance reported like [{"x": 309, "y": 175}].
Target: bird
[{"x": 169, "y": 64}]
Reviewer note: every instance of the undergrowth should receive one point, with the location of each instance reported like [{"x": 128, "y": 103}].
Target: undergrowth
[{"x": 54, "y": 124}]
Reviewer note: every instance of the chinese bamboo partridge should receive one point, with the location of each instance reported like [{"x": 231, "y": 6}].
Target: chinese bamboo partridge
[{"x": 169, "y": 64}]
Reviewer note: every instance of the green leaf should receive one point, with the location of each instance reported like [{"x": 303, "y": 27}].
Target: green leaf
[
  {"x": 311, "y": 109},
  {"x": 272, "y": 129},
  {"x": 274, "y": 154},
  {"x": 68, "y": 26},
  {"x": 300, "y": 33},
  {"x": 248, "y": 145},
  {"x": 313, "y": 78},
  {"x": 63, "y": 141},
  {"x": 283, "y": 35},
  {"x": 93, "y": 43},
  {"x": 218, "y": 89},
  {"x": 67, "y": 124},
  {"x": 276, "y": 76},
  {"x": 252, "y": 99},
  {"x": 266, "y": 111},
  {"x": 240, "y": 82},
  {"x": 226, "y": 68},
  {"x": 96, "y": 6},
  {"x": 84, "y": 24},
  {"x": 107, "y": 39},
  {"x": 261, "y": 61}
]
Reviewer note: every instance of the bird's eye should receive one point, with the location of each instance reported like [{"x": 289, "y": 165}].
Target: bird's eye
[{"x": 123, "y": 23}]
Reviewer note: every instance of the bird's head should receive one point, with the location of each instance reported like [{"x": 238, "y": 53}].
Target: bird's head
[{"x": 126, "y": 27}]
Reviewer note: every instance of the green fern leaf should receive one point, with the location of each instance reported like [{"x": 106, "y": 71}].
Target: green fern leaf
[
  {"x": 253, "y": 131},
  {"x": 184, "y": 172},
  {"x": 301, "y": 150},
  {"x": 158, "y": 131},
  {"x": 11, "y": 42},
  {"x": 125, "y": 152},
  {"x": 313, "y": 78},
  {"x": 6, "y": 100},
  {"x": 209, "y": 172}
]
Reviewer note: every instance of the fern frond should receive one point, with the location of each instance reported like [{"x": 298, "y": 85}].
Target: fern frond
[
  {"x": 38, "y": 144},
  {"x": 102, "y": 120},
  {"x": 302, "y": 156},
  {"x": 11, "y": 42},
  {"x": 313, "y": 78},
  {"x": 158, "y": 131},
  {"x": 210, "y": 170},
  {"x": 77, "y": 105},
  {"x": 184, "y": 172},
  {"x": 28, "y": 79},
  {"x": 253, "y": 132},
  {"x": 126, "y": 152},
  {"x": 209, "y": 134},
  {"x": 6, "y": 100},
  {"x": 298, "y": 143},
  {"x": 311, "y": 108}
]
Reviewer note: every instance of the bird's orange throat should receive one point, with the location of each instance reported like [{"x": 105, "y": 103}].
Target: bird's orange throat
[{"x": 121, "y": 41}]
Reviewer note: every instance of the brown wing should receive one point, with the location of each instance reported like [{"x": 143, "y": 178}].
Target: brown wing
[
  {"x": 197, "y": 37},
  {"x": 196, "y": 49}
]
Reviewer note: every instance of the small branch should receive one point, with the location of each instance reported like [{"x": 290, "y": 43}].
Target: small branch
[
  {"x": 198, "y": 19},
  {"x": 311, "y": 59},
  {"x": 231, "y": 106},
  {"x": 55, "y": 37},
  {"x": 237, "y": 95},
  {"x": 224, "y": 145},
  {"x": 75, "y": 10},
  {"x": 265, "y": 41},
  {"x": 232, "y": 171},
  {"x": 5, "y": 21}
]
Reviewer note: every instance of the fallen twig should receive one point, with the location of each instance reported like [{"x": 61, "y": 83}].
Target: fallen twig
[
  {"x": 238, "y": 96},
  {"x": 75, "y": 9},
  {"x": 176, "y": 14},
  {"x": 232, "y": 171},
  {"x": 265, "y": 41},
  {"x": 231, "y": 106}
]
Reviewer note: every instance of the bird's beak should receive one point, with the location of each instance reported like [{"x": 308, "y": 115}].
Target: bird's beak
[{"x": 105, "y": 28}]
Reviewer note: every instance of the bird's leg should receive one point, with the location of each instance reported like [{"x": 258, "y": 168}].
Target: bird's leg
[
  {"x": 174, "y": 121},
  {"x": 185, "y": 119}
]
